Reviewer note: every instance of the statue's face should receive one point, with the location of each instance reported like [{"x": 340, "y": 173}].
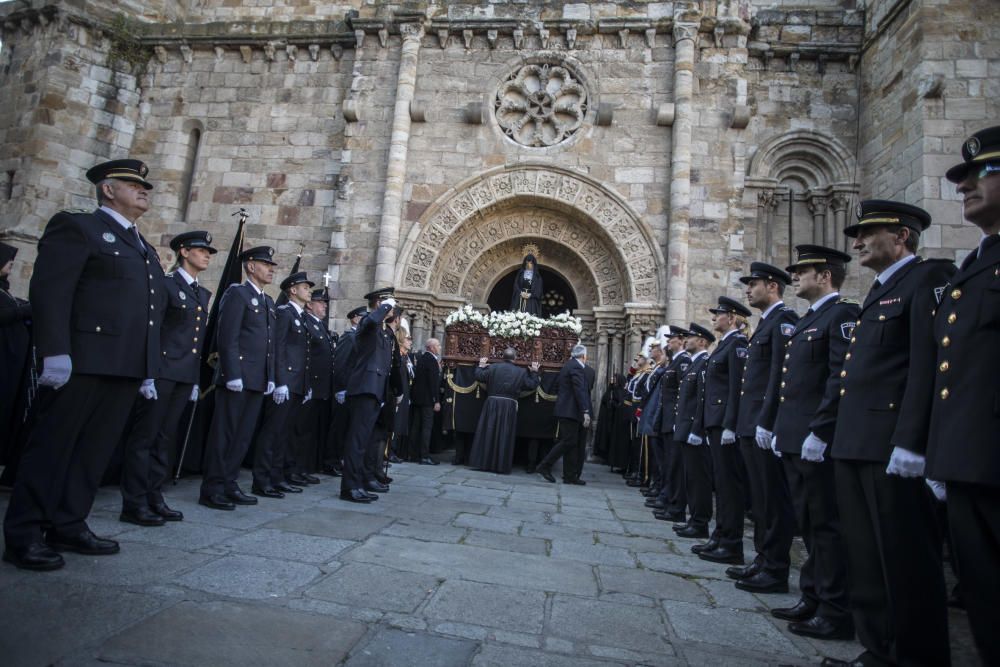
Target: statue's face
[{"x": 529, "y": 265}]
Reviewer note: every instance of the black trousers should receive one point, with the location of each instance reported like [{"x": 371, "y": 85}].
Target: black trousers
[
  {"x": 823, "y": 579},
  {"x": 319, "y": 419},
  {"x": 375, "y": 451},
  {"x": 674, "y": 490},
  {"x": 974, "y": 520},
  {"x": 333, "y": 450},
  {"x": 274, "y": 440},
  {"x": 655, "y": 460},
  {"x": 697, "y": 464},
  {"x": 895, "y": 575},
  {"x": 567, "y": 446},
  {"x": 303, "y": 426},
  {"x": 229, "y": 436},
  {"x": 78, "y": 428},
  {"x": 364, "y": 412},
  {"x": 730, "y": 498},
  {"x": 146, "y": 461},
  {"x": 421, "y": 425},
  {"x": 774, "y": 516}
]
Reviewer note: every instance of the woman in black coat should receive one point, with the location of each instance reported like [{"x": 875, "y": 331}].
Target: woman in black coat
[{"x": 528, "y": 289}]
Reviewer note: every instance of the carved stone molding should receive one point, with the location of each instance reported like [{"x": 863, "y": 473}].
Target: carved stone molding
[{"x": 541, "y": 104}]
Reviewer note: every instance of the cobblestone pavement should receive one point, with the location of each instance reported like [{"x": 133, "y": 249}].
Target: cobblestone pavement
[{"x": 452, "y": 567}]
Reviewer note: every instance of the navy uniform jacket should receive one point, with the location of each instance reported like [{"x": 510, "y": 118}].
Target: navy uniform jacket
[
  {"x": 965, "y": 418},
  {"x": 97, "y": 295},
  {"x": 343, "y": 361},
  {"x": 762, "y": 371},
  {"x": 372, "y": 356},
  {"x": 690, "y": 394},
  {"x": 649, "y": 420},
  {"x": 670, "y": 386},
  {"x": 426, "y": 389},
  {"x": 572, "y": 392},
  {"x": 320, "y": 358},
  {"x": 291, "y": 350},
  {"x": 888, "y": 374},
  {"x": 182, "y": 334},
  {"x": 723, "y": 374},
  {"x": 810, "y": 380},
  {"x": 245, "y": 338}
]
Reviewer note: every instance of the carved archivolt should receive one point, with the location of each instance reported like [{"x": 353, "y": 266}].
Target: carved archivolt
[
  {"x": 542, "y": 204},
  {"x": 541, "y": 104}
]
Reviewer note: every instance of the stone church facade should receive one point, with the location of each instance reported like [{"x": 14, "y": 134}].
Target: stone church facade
[{"x": 645, "y": 151}]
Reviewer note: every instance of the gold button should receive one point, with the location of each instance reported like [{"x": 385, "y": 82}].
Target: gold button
[
  {"x": 952, "y": 318},
  {"x": 881, "y": 317},
  {"x": 196, "y": 340},
  {"x": 843, "y": 374},
  {"x": 945, "y": 342},
  {"x": 847, "y": 356},
  {"x": 944, "y": 393},
  {"x": 788, "y": 356},
  {"x": 892, "y": 406},
  {"x": 199, "y": 307},
  {"x": 853, "y": 338},
  {"x": 199, "y": 317},
  {"x": 782, "y": 399},
  {"x": 98, "y": 329},
  {"x": 858, "y": 323},
  {"x": 784, "y": 369},
  {"x": 944, "y": 367},
  {"x": 193, "y": 351},
  {"x": 782, "y": 384},
  {"x": 843, "y": 391},
  {"x": 956, "y": 294}
]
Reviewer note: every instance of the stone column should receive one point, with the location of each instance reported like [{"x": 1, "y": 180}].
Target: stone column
[
  {"x": 817, "y": 206},
  {"x": 616, "y": 352},
  {"x": 602, "y": 363},
  {"x": 767, "y": 203},
  {"x": 839, "y": 205},
  {"x": 685, "y": 35},
  {"x": 392, "y": 201}
]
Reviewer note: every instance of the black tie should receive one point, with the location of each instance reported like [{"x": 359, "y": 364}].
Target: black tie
[
  {"x": 194, "y": 285},
  {"x": 987, "y": 243},
  {"x": 876, "y": 285},
  {"x": 135, "y": 232}
]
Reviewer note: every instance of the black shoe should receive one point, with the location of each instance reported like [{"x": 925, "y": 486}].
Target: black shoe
[
  {"x": 36, "y": 556},
  {"x": 678, "y": 517},
  {"x": 530, "y": 469},
  {"x": 802, "y": 611},
  {"x": 633, "y": 483},
  {"x": 745, "y": 572},
  {"x": 723, "y": 555},
  {"x": 297, "y": 479},
  {"x": 428, "y": 461},
  {"x": 818, "y": 627},
  {"x": 458, "y": 461},
  {"x": 692, "y": 532},
  {"x": 285, "y": 487},
  {"x": 354, "y": 496},
  {"x": 546, "y": 474},
  {"x": 85, "y": 543},
  {"x": 395, "y": 459},
  {"x": 310, "y": 479},
  {"x": 217, "y": 501},
  {"x": 141, "y": 516},
  {"x": 375, "y": 487},
  {"x": 240, "y": 498},
  {"x": 655, "y": 503},
  {"x": 383, "y": 479},
  {"x": 332, "y": 471},
  {"x": 266, "y": 491},
  {"x": 762, "y": 582},
  {"x": 576, "y": 481},
  {"x": 862, "y": 660},
  {"x": 167, "y": 513},
  {"x": 711, "y": 545}
]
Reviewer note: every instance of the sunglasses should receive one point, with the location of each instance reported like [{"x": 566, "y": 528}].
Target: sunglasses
[{"x": 985, "y": 170}]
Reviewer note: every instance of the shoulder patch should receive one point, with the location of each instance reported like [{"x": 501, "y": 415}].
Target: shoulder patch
[
  {"x": 283, "y": 306},
  {"x": 853, "y": 302},
  {"x": 741, "y": 352},
  {"x": 939, "y": 292},
  {"x": 847, "y": 329},
  {"x": 787, "y": 329}
]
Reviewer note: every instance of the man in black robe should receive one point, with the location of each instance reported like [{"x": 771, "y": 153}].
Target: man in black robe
[
  {"x": 528, "y": 289},
  {"x": 493, "y": 446}
]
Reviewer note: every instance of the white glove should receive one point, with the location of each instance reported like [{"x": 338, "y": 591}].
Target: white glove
[
  {"x": 148, "y": 389},
  {"x": 280, "y": 394},
  {"x": 937, "y": 488},
  {"x": 694, "y": 440},
  {"x": 270, "y": 389},
  {"x": 390, "y": 301},
  {"x": 905, "y": 463},
  {"x": 586, "y": 421},
  {"x": 728, "y": 437},
  {"x": 235, "y": 385},
  {"x": 774, "y": 446},
  {"x": 341, "y": 396},
  {"x": 763, "y": 437},
  {"x": 308, "y": 397},
  {"x": 56, "y": 371},
  {"x": 813, "y": 449},
  {"x": 195, "y": 393}
]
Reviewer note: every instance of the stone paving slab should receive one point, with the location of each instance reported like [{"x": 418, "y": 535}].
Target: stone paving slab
[
  {"x": 501, "y": 542},
  {"x": 686, "y": 565},
  {"x": 649, "y": 583},
  {"x": 272, "y": 543},
  {"x": 591, "y": 553},
  {"x": 389, "y": 648},
  {"x": 489, "y": 606},
  {"x": 225, "y": 633},
  {"x": 495, "y": 655},
  {"x": 488, "y": 523},
  {"x": 609, "y": 624},
  {"x": 726, "y": 627},
  {"x": 372, "y": 586},
  {"x": 146, "y": 564},
  {"x": 180, "y": 535},
  {"x": 345, "y": 524},
  {"x": 420, "y": 530},
  {"x": 250, "y": 577}
]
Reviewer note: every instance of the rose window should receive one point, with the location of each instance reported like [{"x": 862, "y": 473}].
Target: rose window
[{"x": 541, "y": 105}]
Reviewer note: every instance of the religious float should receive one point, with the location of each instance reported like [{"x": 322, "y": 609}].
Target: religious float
[{"x": 471, "y": 335}]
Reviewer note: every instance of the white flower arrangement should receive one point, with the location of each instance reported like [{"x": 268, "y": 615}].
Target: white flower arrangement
[{"x": 513, "y": 324}]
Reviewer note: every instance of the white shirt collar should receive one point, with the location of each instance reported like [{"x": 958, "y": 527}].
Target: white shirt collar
[
  {"x": 729, "y": 333},
  {"x": 254, "y": 287},
  {"x": 297, "y": 307},
  {"x": 185, "y": 275},
  {"x": 823, "y": 299},
  {"x": 119, "y": 218},
  {"x": 887, "y": 274},
  {"x": 582, "y": 365},
  {"x": 696, "y": 355},
  {"x": 771, "y": 308}
]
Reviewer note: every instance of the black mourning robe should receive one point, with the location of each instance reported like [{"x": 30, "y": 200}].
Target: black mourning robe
[
  {"x": 493, "y": 445},
  {"x": 533, "y": 304}
]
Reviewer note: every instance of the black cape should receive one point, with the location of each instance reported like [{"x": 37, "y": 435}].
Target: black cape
[{"x": 493, "y": 445}]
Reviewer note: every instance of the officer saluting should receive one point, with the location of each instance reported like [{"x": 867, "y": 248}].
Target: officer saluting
[
  {"x": 893, "y": 549},
  {"x": 962, "y": 450},
  {"x": 94, "y": 293},
  {"x": 147, "y": 451},
  {"x": 243, "y": 377}
]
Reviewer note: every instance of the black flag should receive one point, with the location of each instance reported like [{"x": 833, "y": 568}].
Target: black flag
[{"x": 283, "y": 298}]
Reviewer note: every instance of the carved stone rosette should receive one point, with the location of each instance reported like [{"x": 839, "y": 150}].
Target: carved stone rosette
[{"x": 541, "y": 104}]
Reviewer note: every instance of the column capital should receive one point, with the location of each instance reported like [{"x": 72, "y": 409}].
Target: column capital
[
  {"x": 411, "y": 31},
  {"x": 684, "y": 31}
]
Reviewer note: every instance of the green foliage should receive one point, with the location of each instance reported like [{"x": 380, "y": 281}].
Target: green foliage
[{"x": 127, "y": 50}]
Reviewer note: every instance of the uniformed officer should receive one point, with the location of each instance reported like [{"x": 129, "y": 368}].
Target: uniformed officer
[
  {"x": 893, "y": 547},
  {"x": 670, "y": 505},
  {"x": 807, "y": 413},
  {"x": 94, "y": 294},
  {"x": 695, "y": 457},
  {"x": 717, "y": 422},
  {"x": 146, "y": 463},
  {"x": 244, "y": 376},
  {"x": 774, "y": 519},
  {"x": 313, "y": 425},
  {"x": 342, "y": 363},
  {"x": 962, "y": 449},
  {"x": 291, "y": 372},
  {"x": 367, "y": 390}
]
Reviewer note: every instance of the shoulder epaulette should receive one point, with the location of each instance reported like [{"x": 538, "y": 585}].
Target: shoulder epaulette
[
  {"x": 169, "y": 274},
  {"x": 284, "y": 306},
  {"x": 76, "y": 211},
  {"x": 853, "y": 302},
  {"x": 787, "y": 308}
]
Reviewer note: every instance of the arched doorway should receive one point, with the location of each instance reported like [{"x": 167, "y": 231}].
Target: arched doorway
[{"x": 557, "y": 298}]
